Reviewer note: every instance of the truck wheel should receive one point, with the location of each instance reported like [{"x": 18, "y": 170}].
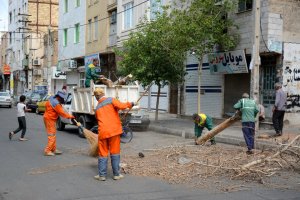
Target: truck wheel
[
  {"x": 60, "y": 125},
  {"x": 84, "y": 124}
]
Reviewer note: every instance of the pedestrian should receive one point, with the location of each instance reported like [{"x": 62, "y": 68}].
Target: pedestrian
[
  {"x": 53, "y": 110},
  {"x": 109, "y": 132},
  {"x": 92, "y": 73},
  {"x": 279, "y": 109},
  {"x": 64, "y": 89},
  {"x": 202, "y": 121},
  {"x": 21, "y": 109},
  {"x": 249, "y": 110}
]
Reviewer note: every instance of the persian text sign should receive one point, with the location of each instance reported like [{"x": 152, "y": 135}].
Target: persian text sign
[{"x": 232, "y": 62}]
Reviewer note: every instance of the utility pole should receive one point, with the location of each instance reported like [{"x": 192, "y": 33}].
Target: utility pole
[
  {"x": 49, "y": 51},
  {"x": 255, "y": 56}
]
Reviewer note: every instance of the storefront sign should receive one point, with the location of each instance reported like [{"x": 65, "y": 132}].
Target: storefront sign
[
  {"x": 232, "y": 62},
  {"x": 6, "y": 69},
  {"x": 58, "y": 74}
]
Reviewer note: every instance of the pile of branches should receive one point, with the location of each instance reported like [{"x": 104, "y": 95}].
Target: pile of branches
[{"x": 194, "y": 164}]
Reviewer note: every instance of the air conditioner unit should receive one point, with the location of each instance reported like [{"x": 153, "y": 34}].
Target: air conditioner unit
[
  {"x": 72, "y": 64},
  {"x": 36, "y": 62},
  {"x": 39, "y": 72}
]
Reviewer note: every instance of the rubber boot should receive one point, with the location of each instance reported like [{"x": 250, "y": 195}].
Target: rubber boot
[
  {"x": 102, "y": 166},
  {"x": 115, "y": 163}
]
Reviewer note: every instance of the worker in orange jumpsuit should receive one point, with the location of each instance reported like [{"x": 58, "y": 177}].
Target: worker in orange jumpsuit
[
  {"x": 53, "y": 110},
  {"x": 109, "y": 133}
]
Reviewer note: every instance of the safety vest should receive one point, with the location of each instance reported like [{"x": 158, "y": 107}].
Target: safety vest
[{"x": 202, "y": 119}]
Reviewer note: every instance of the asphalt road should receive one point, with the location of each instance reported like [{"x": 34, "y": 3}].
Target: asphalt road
[{"x": 26, "y": 174}]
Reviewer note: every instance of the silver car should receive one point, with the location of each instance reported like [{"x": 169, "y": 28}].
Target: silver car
[{"x": 5, "y": 99}]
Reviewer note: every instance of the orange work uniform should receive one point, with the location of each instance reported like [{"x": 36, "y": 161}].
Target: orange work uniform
[
  {"x": 109, "y": 125},
  {"x": 53, "y": 110}
]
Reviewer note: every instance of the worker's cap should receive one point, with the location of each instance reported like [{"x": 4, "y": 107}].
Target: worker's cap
[
  {"x": 195, "y": 116},
  {"x": 61, "y": 94},
  {"x": 245, "y": 95},
  {"x": 98, "y": 92}
]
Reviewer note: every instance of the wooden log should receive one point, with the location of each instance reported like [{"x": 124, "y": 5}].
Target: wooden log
[{"x": 228, "y": 122}]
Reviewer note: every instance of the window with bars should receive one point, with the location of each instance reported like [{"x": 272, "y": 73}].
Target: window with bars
[
  {"x": 96, "y": 27},
  {"x": 244, "y": 5}
]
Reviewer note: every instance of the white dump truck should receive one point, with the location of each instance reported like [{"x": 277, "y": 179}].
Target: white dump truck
[{"x": 81, "y": 103}]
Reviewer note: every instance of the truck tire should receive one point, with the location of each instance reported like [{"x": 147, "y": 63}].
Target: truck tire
[
  {"x": 85, "y": 124},
  {"x": 60, "y": 126}
]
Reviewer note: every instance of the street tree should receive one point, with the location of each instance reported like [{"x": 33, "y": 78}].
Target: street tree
[{"x": 156, "y": 51}]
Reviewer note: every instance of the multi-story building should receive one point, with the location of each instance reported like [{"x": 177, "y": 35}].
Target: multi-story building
[
  {"x": 4, "y": 68},
  {"x": 72, "y": 40},
  {"x": 279, "y": 55},
  {"x": 101, "y": 34},
  {"x": 29, "y": 20}
]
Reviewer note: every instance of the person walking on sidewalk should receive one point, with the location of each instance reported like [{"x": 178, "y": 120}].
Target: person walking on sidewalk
[
  {"x": 249, "y": 110},
  {"x": 53, "y": 110},
  {"x": 279, "y": 109},
  {"x": 202, "y": 121},
  {"x": 109, "y": 131},
  {"x": 21, "y": 109}
]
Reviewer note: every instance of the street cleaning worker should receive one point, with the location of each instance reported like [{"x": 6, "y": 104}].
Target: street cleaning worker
[
  {"x": 53, "y": 110},
  {"x": 202, "y": 121},
  {"x": 109, "y": 133},
  {"x": 249, "y": 110},
  {"x": 92, "y": 73}
]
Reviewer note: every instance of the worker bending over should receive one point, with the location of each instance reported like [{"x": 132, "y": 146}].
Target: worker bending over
[
  {"x": 53, "y": 110},
  {"x": 109, "y": 132},
  {"x": 92, "y": 73},
  {"x": 203, "y": 121}
]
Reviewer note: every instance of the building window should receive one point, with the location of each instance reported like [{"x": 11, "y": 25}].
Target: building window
[
  {"x": 77, "y": 3},
  {"x": 245, "y": 5},
  {"x": 65, "y": 41},
  {"x": 89, "y": 30},
  {"x": 113, "y": 17},
  {"x": 10, "y": 37},
  {"x": 89, "y": 2},
  {"x": 155, "y": 8},
  {"x": 14, "y": 15},
  {"x": 128, "y": 15},
  {"x": 96, "y": 28},
  {"x": 66, "y": 5},
  {"x": 76, "y": 33},
  {"x": 10, "y": 17}
]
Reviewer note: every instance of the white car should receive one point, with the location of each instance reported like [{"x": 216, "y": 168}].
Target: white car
[{"x": 5, "y": 99}]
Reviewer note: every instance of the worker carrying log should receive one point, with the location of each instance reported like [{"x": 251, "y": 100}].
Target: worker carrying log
[
  {"x": 53, "y": 110},
  {"x": 249, "y": 110},
  {"x": 92, "y": 73},
  {"x": 109, "y": 132},
  {"x": 202, "y": 121}
]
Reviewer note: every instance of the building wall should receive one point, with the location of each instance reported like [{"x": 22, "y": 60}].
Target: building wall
[
  {"x": 68, "y": 20},
  {"x": 100, "y": 43},
  {"x": 212, "y": 89}
]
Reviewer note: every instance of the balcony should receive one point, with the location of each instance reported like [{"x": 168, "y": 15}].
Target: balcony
[{"x": 111, "y": 5}]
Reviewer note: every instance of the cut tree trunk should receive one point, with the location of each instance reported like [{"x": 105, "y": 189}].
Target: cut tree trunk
[{"x": 228, "y": 122}]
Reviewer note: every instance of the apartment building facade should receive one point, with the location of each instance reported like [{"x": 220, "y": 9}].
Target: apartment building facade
[
  {"x": 71, "y": 40},
  {"x": 29, "y": 21},
  {"x": 279, "y": 55}
]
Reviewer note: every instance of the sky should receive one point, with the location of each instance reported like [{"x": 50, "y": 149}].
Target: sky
[{"x": 3, "y": 15}]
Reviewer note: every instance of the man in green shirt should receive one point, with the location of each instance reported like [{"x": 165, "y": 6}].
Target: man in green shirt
[
  {"x": 92, "y": 73},
  {"x": 203, "y": 121},
  {"x": 249, "y": 110}
]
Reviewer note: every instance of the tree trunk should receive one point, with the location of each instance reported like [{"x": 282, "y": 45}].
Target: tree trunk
[
  {"x": 157, "y": 102},
  {"x": 228, "y": 122}
]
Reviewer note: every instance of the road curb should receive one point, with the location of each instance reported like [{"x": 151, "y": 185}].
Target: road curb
[{"x": 220, "y": 138}]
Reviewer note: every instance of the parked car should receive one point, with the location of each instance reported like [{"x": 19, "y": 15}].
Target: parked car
[
  {"x": 5, "y": 99},
  {"x": 32, "y": 101},
  {"x": 41, "y": 105}
]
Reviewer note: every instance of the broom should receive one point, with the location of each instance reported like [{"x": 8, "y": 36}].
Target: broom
[{"x": 91, "y": 137}]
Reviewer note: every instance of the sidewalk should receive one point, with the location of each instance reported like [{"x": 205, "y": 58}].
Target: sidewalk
[{"x": 171, "y": 124}]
